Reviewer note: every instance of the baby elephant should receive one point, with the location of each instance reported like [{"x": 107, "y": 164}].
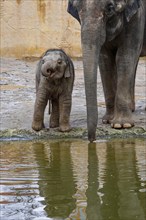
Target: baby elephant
[{"x": 54, "y": 82}]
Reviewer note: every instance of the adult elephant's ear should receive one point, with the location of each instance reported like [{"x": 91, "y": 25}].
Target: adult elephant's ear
[
  {"x": 131, "y": 8},
  {"x": 72, "y": 10}
]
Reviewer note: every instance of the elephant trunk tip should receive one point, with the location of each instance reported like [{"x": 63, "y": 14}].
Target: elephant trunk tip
[{"x": 91, "y": 137}]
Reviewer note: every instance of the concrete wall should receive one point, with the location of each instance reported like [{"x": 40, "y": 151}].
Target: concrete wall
[{"x": 29, "y": 27}]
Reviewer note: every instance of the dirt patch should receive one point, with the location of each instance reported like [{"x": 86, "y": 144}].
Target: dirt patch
[{"x": 18, "y": 96}]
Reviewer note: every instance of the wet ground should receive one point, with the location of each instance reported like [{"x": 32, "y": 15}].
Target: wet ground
[{"x": 18, "y": 96}]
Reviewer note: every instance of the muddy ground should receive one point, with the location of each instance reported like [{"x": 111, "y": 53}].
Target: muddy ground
[{"x": 18, "y": 96}]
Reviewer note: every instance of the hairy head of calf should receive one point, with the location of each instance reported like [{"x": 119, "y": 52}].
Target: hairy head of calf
[{"x": 55, "y": 64}]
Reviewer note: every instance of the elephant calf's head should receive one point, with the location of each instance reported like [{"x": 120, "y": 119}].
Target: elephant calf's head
[{"x": 55, "y": 65}]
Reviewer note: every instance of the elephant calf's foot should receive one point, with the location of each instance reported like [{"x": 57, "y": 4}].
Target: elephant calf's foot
[
  {"x": 37, "y": 126},
  {"x": 64, "y": 128},
  {"x": 54, "y": 121},
  {"x": 54, "y": 124},
  {"x": 122, "y": 123}
]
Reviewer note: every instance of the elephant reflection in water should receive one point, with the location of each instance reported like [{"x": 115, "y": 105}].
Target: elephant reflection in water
[
  {"x": 102, "y": 199},
  {"x": 121, "y": 198},
  {"x": 110, "y": 181},
  {"x": 56, "y": 183},
  {"x": 129, "y": 181},
  {"x": 100, "y": 182}
]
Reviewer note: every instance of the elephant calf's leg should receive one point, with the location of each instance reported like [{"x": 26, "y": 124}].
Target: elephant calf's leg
[
  {"x": 65, "y": 109},
  {"x": 38, "y": 117},
  {"x": 54, "y": 118}
]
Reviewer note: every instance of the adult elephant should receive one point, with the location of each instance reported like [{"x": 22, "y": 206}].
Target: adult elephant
[{"x": 112, "y": 36}]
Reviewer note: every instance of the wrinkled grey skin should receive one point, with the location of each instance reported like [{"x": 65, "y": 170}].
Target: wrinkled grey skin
[
  {"x": 112, "y": 36},
  {"x": 143, "y": 52},
  {"x": 54, "y": 81}
]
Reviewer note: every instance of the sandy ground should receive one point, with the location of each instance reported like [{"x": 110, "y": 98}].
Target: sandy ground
[{"x": 18, "y": 96}]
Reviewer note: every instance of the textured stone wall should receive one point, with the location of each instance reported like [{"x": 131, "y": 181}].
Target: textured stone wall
[{"x": 29, "y": 27}]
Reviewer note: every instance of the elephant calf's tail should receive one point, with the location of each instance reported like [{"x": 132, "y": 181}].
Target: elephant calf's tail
[{"x": 50, "y": 108}]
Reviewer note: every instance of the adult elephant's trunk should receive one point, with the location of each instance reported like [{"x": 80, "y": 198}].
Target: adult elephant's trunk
[
  {"x": 90, "y": 78},
  {"x": 91, "y": 45}
]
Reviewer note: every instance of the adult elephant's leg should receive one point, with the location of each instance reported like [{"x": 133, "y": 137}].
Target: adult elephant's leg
[
  {"x": 40, "y": 105},
  {"x": 130, "y": 44},
  {"x": 54, "y": 118},
  {"x": 143, "y": 52},
  {"x": 64, "y": 112},
  {"x": 124, "y": 100},
  {"x": 109, "y": 80},
  {"x": 132, "y": 105},
  {"x": 122, "y": 112}
]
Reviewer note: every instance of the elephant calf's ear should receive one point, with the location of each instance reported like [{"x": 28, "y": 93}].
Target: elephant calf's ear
[{"x": 69, "y": 70}]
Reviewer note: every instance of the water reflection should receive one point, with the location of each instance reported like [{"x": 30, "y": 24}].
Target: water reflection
[
  {"x": 74, "y": 180},
  {"x": 56, "y": 181},
  {"x": 93, "y": 201},
  {"x": 128, "y": 182}
]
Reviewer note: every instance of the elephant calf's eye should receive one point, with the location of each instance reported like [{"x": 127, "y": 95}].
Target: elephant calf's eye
[{"x": 59, "y": 61}]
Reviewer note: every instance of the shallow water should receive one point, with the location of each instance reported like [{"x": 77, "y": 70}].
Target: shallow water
[{"x": 73, "y": 180}]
